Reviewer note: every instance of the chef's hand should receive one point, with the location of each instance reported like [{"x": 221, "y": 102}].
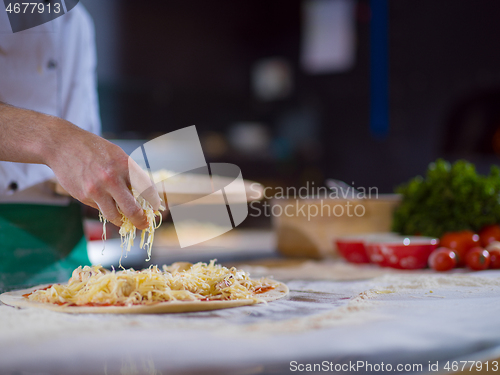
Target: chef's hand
[
  {"x": 91, "y": 169},
  {"x": 97, "y": 173}
]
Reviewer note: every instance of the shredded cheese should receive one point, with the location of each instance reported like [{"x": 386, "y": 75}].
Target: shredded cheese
[
  {"x": 128, "y": 230},
  {"x": 180, "y": 282}
]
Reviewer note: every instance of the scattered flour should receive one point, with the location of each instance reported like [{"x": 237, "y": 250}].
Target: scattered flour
[
  {"x": 37, "y": 325},
  {"x": 429, "y": 281}
]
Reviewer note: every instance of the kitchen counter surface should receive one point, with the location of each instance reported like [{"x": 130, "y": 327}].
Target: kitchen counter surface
[{"x": 407, "y": 319}]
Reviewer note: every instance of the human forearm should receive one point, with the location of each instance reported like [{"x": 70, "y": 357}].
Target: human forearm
[
  {"x": 90, "y": 168},
  {"x": 25, "y": 135}
]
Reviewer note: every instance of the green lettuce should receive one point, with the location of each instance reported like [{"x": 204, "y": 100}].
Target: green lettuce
[{"x": 450, "y": 198}]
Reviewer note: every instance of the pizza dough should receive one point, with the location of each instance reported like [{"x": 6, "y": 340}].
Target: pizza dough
[{"x": 16, "y": 299}]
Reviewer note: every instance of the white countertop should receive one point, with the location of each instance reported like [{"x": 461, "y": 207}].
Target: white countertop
[{"x": 393, "y": 319}]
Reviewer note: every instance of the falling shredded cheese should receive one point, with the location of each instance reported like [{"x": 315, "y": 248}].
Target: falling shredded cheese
[
  {"x": 96, "y": 286},
  {"x": 128, "y": 230}
]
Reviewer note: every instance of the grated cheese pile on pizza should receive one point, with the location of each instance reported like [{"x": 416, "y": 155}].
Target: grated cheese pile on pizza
[{"x": 95, "y": 286}]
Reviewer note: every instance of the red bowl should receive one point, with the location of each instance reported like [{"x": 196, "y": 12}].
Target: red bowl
[
  {"x": 410, "y": 252},
  {"x": 352, "y": 248}
]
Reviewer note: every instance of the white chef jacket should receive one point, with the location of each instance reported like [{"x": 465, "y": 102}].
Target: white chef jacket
[{"x": 51, "y": 69}]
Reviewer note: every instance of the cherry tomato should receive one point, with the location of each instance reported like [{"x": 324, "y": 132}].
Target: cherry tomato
[
  {"x": 494, "y": 250},
  {"x": 461, "y": 242},
  {"x": 443, "y": 259},
  {"x": 478, "y": 258},
  {"x": 489, "y": 233},
  {"x": 495, "y": 259}
]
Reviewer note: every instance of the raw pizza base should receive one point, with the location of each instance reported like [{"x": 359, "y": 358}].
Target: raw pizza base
[{"x": 16, "y": 299}]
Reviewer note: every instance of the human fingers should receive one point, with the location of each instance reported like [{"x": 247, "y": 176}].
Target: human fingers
[
  {"x": 142, "y": 183},
  {"x": 107, "y": 206},
  {"x": 129, "y": 206},
  {"x": 91, "y": 204},
  {"x": 152, "y": 196}
]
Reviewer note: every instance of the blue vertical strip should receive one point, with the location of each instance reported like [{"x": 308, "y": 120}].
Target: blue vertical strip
[
  {"x": 379, "y": 68},
  {"x": 63, "y": 3}
]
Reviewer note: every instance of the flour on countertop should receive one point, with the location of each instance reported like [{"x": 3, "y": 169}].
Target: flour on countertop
[
  {"x": 311, "y": 305},
  {"x": 429, "y": 281}
]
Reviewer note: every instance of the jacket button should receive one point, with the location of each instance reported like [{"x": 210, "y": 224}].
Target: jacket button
[
  {"x": 52, "y": 64},
  {"x": 13, "y": 186}
]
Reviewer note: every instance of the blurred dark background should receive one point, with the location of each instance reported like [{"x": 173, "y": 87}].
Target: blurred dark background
[{"x": 164, "y": 65}]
